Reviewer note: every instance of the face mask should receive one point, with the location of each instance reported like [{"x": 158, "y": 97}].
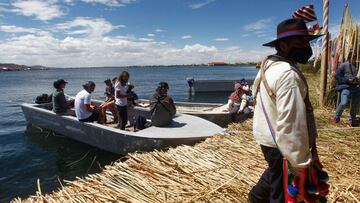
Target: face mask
[{"x": 300, "y": 55}]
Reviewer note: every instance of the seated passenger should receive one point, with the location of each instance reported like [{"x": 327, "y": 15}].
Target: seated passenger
[
  {"x": 85, "y": 110},
  {"x": 162, "y": 107},
  {"x": 109, "y": 103},
  {"x": 237, "y": 103},
  {"x": 60, "y": 105}
]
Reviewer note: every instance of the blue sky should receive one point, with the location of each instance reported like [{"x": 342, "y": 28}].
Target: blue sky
[{"x": 70, "y": 33}]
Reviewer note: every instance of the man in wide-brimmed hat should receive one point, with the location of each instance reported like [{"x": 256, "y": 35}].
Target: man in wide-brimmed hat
[{"x": 283, "y": 120}]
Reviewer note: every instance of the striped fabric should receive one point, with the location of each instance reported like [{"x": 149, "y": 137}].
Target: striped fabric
[{"x": 307, "y": 13}]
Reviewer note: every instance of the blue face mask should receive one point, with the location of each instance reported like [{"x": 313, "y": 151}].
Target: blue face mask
[{"x": 300, "y": 55}]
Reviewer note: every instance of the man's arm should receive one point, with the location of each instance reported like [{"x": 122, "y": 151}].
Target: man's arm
[
  {"x": 292, "y": 135},
  {"x": 88, "y": 104},
  {"x": 243, "y": 103}
]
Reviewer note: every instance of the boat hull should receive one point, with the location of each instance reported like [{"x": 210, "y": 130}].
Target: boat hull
[{"x": 107, "y": 138}]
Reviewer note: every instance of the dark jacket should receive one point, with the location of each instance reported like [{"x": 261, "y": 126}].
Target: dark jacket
[
  {"x": 344, "y": 73},
  {"x": 59, "y": 102},
  {"x": 162, "y": 109}
]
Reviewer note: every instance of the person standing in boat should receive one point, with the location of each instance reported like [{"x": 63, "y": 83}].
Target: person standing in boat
[
  {"x": 237, "y": 103},
  {"x": 109, "y": 104},
  {"x": 121, "y": 89},
  {"x": 85, "y": 110},
  {"x": 60, "y": 105},
  {"x": 284, "y": 124},
  {"x": 162, "y": 107}
]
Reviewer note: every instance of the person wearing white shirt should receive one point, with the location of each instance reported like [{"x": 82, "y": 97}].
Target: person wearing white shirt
[
  {"x": 121, "y": 91},
  {"x": 85, "y": 110},
  {"x": 283, "y": 118}
]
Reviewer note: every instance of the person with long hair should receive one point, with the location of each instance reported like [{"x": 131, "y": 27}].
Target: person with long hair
[{"x": 121, "y": 88}]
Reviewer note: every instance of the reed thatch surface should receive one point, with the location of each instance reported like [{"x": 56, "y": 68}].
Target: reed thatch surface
[{"x": 220, "y": 169}]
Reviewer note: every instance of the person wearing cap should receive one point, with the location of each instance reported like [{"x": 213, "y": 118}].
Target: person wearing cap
[
  {"x": 85, "y": 110},
  {"x": 109, "y": 104},
  {"x": 121, "y": 88},
  {"x": 283, "y": 123},
  {"x": 162, "y": 107},
  {"x": 237, "y": 103},
  {"x": 60, "y": 104}
]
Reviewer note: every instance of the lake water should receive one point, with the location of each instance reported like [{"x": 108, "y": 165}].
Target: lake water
[{"x": 28, "y": 153}]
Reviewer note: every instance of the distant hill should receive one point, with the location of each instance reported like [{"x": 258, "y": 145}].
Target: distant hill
[{"x": 16, "y": 67}]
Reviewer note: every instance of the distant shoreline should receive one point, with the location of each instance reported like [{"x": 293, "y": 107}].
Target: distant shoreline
[
  {"x": 10, "y": 67},
  {"x": 165, "y": 66},
  {"x": 15, "y": 67}
]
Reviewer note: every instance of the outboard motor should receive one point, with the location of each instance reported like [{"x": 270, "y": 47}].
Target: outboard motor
[{"x": 43, "y": 98}]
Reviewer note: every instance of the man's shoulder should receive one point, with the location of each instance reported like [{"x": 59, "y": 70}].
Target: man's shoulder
[{"x": 278, "y": 66}]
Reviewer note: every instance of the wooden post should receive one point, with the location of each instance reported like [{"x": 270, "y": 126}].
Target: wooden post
[{"x": 324, "y": 55}]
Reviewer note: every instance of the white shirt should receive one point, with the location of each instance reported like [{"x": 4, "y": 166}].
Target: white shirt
[
  {"x": 123, "y": 91},
  {"x": 82, "y": 98},
  {"x": 287, "y": 114}
]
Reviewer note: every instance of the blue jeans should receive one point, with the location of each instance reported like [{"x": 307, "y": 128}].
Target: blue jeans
[{"x": 344, "y": 99}]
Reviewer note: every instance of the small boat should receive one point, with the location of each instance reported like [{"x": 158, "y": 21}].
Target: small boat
[
  {"x": 185, "y": 129},
  {"x": 214, "y": 85}
]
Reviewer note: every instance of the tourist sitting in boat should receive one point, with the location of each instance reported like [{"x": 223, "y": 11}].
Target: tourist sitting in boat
[
  {"x": 121, "y": 89},
  {"x": 109, "y": 103},
  {"x": 60, "y": 105},
  {"x": 162, "y": 107},
  {"x": 237, "y": 103},
  {"x": 85, "y": 110}
]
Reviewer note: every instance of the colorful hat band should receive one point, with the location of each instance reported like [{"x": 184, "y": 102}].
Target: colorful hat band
[{"x": 292, "y": 33}]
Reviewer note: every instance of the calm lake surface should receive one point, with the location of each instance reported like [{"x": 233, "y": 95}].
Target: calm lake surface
[{"x": 28, "y": 153}]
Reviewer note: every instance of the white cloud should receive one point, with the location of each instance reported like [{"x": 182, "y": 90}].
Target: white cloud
[
  {"x": 41, "y": 10},
  {"x": 186, "y": 37},
  {"x": 159, "y": 30},
  {"x": 46, "y": 49},
  {"x": 150, "y": 35},
  {"x": 92, "y": 27},
  {"x": 146, "y": 39},
  {"x": 221, "y": 39},
  {"x": 201, "y": 4},
  {"x": 16, "y": 29},
  {"x": 258, "y": 25},
  {"x": 110, "y": 2}
]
